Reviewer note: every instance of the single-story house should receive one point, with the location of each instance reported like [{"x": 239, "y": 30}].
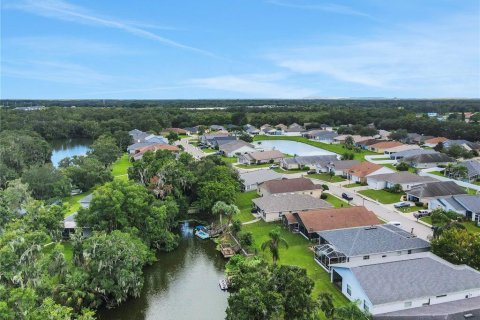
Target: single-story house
[
  {"x": 192, "y": 130},
  {"x": 356, "y": 138},
  {"x": 361, "y": 171},
  {"x": 207, "y": 138},
  {"x": 383, "y": 134},
  {"x": 216, "y": 127},
  {"x": 133, "y": 148},
  {"x": 473, "y": 169},
  {"x": 467, "y": 145},
  {"x": 364, "y": 243},
  {"x": 295, "y": 185},
  {"x": 251, "y": 129},
  {"x": 236, "y": 147},
  {"x": 365, "y": 144},
  {"x": 251, "y": 179},
  {"x": 404, "y": 282},
  {"x": 403, "y": 147},
  {"x": 338, "y": 166},
  {"x": 139, "y": 155},
  {"x": 322, "y": 136},
  {"x": 216, "y": 142},
  {"x": 428, "y": 160},
  {"x": 281, "y": 127},
  {"x": 85, "y": 201},
  {"x": 381, "y": 146},
  {"x": 166, "y": 131},
  {"x": 432, "y": 142},
  {"x": 311, "y": 222},
  {"x": 410, "y": 153},
  {"x": 431, "y": 190},
  {"x": 300, "y": 162},
  {"x": 273, "y": 207},
  {"x": 464, "y": 204},
  {"x": 260, "y": 157},
  {"x": 415, "y": 138},
  {"x": 453, "y": 310},
  {"x": 294, "y": 132},
  {"x": 406, "y": 179}
]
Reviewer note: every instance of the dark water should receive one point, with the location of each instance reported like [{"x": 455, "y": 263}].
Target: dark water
[
  {"x": 182, "y": 284},
  {"x": 69, "y": 148}
]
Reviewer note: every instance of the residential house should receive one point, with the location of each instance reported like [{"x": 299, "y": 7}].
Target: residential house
[
  {"x": 337, "y": 166},
  {"x": 404, "y": 282},
  {"x": 431, "y": 190},
  {"x": 311, "y": 222},
  {"x": 356, "y": 138},
  {"x": 273, "y": 207},
  {"x": 322, "y": 136},
  {"x": 216, "y": 127},
  {"x": 405, "y": 179},
  {"x": 415, "y": 138},
  {"x": 365, "y": 144},
  {"x": 326, "y": 127},
  {"x": 410, "y": 153},
  {"x": 192, "y": 130},
  {"x": 294, "y": 132},
  {"x": 145, "y": 141},
  {"x": 467, "y": 205},
  {"x": 381, "y": 146},
  {"x": 236, "y": 147},
  {"x": 360, "y": 172},
  {"x": 166, "y": 131},
  {"x": 473, "y": 169},
  {"x": 295, "y": 185},
  {"x": 403, "y": 147},
  {"x": 251, "y": 179},
  {"x": 467, "y": 145},
  {"x": 213, "y": 140},
  {"x": 365, "y": 242},
  {"x": 261, "y": 157},
  {"x": 428, "y": 160},
  {"x": 432, "y": 142},
  {"x": 383, "y": 134},
  {"x": 156, "y": 147},
  {"x": 281, "y": 127},
  {"x": 300, "y": 162},
  {"x": 251, "y": 130},
  {"x": 85, "y": 201}
]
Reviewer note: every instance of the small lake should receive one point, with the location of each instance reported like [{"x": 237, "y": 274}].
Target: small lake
[
  {"x": 293, "y": 148},
  {"x": 69, "y": 148},
  {"x": 182, "y": 284}
]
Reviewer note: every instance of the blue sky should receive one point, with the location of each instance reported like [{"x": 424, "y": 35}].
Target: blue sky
[{"x": 240, "y": 49}]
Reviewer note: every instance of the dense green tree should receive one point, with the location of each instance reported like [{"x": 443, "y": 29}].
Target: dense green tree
[
  {"x": 105, "y": 149},
  {"x": 229, "y": 210},
  {"x": 402, "y": 166},
  {"x": 48, "y": 219},
  {"x": 172, "y": 137},
  {"x": 246, "y": 137},
  {"x": 47, "y": 182},
  {"x": 458, "y": 246},
  {"x": 86, "y": 172},
  {"x": 444, "y": 220},
  {"x": 212, "y": 192},
  {"x": 273, "y": 244},
  {"x": 398, "y": 135}
]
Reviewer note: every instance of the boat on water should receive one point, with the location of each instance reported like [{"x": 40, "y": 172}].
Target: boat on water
[
  {"x": 223, "y": 284},
  {"x": 202, "y": 232}
]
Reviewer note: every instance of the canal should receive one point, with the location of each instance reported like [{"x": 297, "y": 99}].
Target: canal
[
  {"x": 182, "y": 284},
  {"x": 68, "y": 148}
]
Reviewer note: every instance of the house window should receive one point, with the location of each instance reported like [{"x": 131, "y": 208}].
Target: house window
[
  {"x": 407, "y": 304},
  {"x": 409, "y": 251},
  {"x": 349, "y": 290},
  {"x": 384, "y": 256},
  {"x": 366, "y": 257}
]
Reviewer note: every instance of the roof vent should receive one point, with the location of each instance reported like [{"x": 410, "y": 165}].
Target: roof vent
[
  {"x": 371, "y": 228},
  {"x": 468, "y": 315}
]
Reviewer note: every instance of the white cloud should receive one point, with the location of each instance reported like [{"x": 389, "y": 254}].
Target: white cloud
[
  {"x": 62, "y": 10},
  {"x": 253, "y": 85}
]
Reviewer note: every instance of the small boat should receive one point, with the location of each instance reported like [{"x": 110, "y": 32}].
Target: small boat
[
  {"x": 223, "y": 284},
  {"x": 202, "y": 234}
]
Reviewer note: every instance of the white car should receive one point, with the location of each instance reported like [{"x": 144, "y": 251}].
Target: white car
[
  {"x": 274, "y": 166},
  {"x": 394, "y": 223}
]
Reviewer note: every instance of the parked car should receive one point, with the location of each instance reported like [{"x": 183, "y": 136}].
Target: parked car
[
  {"x": 421, "y": 213},
  {"x": 274, "y": 166},
  {"x": 394, "y": 223},
  {"x": 311, "y": 171},
  {"x": 346, "y": 197},
  {"x": 402, "y": 205}
]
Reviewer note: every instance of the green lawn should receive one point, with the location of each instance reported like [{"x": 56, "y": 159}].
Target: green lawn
[
  {"x": 72, "y": 203},
  {"x": 290, "y": 171},
  {"x": 469, "y": 225},
  {"x": 243, "y": 201},
  {"x": 476, "y": 182},
  {"x": 253, "y": 166},
  {"x": 297, "y": 254},
  {"x": 209, "y": 150},
  {"x": 336, "y": 202},
  {"x": 411, "y": 209},
  {"x": 427, "y": 219},
  {"x": 326, "y": 177},
  {"x": 352, "y": 185},
  {"x": 67, "y": 249},
  {"x": 437, "y": 173},
  {"x": 120, "y": 167},
  {"x": 391, "y": 166},
  {"x": 337, "y": 148},
  {"x": 382, "y": 196},
  {"x": 229, "y": 159},
  {"x": 471, "y": 191}
]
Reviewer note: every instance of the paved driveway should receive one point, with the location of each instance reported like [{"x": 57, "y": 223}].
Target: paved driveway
[{"x": 196, "y": 152}]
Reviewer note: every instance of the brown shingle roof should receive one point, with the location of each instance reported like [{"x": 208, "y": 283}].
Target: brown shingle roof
[
  {"x": 386, "y": 144},
  {"x": 156, "y": 147},
  {"x": 289, "y": 185},
  {"x": 435, "y": 140},
  {"x": 363, "y": 169},
  {"x": 340, "y": 218},
  {"x": 266, "y": 155}
]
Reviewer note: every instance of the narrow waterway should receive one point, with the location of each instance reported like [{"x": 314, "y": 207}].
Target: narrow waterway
[
  {"x": 68, "y": 148},
  {"x": 182, "y": 284}
]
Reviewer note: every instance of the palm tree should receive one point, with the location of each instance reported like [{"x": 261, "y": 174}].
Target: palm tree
[
  {"x": 349, "y": 142},
  {"x": 441, "y": 222},
  {"x": 229, "y": 210},
  {"x": 273, "y": 244}
]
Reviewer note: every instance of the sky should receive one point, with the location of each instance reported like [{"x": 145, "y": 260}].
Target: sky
[{"x": 235, "y": 49}]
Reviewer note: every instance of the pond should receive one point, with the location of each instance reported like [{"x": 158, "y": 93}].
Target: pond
[
  {"x": 182, "y": 284},
  {"x": 69, "y": 148},
  {"x": 293, "y": 148}
]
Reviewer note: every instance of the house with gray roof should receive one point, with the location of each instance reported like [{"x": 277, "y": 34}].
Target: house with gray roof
[
  {"x": 428, "y": 160},
  {"x": 323, "y": 136},
  {"x": 428, "y": 191},
  {"x": 311, "y": 162},
  {"x": 467, "y": 205},
  {"x": 338, "y": 167},
  {"x": 410, "y": 153},
  {"x": 404, "y": 282},
  {"x": 236, "y": 147},
  {"x": 251, "y": 179},
  {"x": 364, "y": 243},
  {"x": 473, "y": 169},
  {"x": 406, "y": 179},
  {"x": 467, "y": 145},
  {"x": 273, "y": 207}
]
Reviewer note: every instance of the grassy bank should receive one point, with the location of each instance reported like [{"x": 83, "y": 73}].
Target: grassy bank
[
  {"x": 243, "y": 200},
  {"x": 326, "y": 177},
  {"x": 382, "y": 196}
]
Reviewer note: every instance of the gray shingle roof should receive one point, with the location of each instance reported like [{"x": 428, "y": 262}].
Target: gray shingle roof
[
  {"x": 402, "y": 177},
  {"x": 411, "y": 153},
  {"x": 259, "y": 176},
  {"x": 436, "y": 189},
  {"x": 369, "y": 240},
  {"x": 344, "y": 164},
  {"x": 429, "y": 158},
  {"x": 232, "y": 146},
  {"x": 473, "y": 167},
  {"x": 407, "y": 277},
  {"x": 466, "y": 202},
  {"x": 284, "y": 202}
]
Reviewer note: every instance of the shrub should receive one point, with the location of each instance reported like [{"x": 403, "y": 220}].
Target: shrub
[
  {"x": 323, "y": 196},
  {"x": 324, "y": 187},
  {"x": 402, "y": 166},
  {"x": 236, "y": 227},
  {"x": 246, "y": 239},
  {"x": 419, "y": 204}
]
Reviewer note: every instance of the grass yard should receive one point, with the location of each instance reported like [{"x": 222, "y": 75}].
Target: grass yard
[
  {"x": 471, "y": 191},
  {"x": 352, "y": 185},
  {"x": 336, "y": 202},
  {"x": 336, "y": 148},
  {"x": 229, "y": 159},
  {"x": 66, "y": 246},
  {"x": 382, "y": 196},
  {"x": 297, "y": 254},
  {"x": 209, "y": 150},
  {"x": 390, "y": 166},
  {"x": 72, "y": 203},
  {"x": 437, "y": 173},
  {"x": 326, "y": 177},
  {"x": 120, "y": 167},
  {"x": 253, "y": 166},
  {"x": 469, "y": 225},
  {"x": 427, "y": 219},
  {"x": 411, "y": 209},
  {"x": 290, "y": 171},
  {"x": 243, "y": 201}
]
